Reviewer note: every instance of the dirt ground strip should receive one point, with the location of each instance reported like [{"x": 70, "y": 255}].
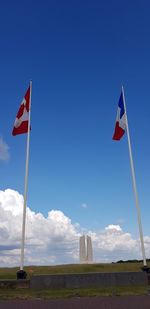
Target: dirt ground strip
[{"x": 115, "y": 302}]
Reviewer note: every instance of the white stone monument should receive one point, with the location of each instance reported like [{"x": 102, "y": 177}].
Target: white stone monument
[{"x": 85, "y": 249}]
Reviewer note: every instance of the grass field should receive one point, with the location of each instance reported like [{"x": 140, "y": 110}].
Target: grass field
[
  {"x": 10, "y": 273},
  {"x": 7, "y": 294}
]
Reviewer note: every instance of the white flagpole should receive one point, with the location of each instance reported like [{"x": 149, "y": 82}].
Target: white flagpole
[
  {"x": 26, "y": 184},
  {"x": 134, "y": 184}
]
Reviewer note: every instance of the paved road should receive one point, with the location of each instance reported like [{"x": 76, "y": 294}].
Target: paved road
[{"x": 115, "y": 302}]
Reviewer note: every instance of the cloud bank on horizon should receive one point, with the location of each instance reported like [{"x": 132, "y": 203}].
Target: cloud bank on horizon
[{"x": 55, "y": 239}]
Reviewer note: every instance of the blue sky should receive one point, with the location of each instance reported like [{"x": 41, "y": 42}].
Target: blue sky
[{"x": 78, "y": 54}]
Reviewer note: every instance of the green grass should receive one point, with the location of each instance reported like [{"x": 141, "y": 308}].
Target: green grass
[
  {"x": 25, "y": 293},
  {"x": 6, "y": 294},
  {"x": 10, "y": 273}
]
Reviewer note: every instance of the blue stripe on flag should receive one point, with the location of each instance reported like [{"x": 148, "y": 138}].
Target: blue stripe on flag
[{"x": 121, "y": 105}]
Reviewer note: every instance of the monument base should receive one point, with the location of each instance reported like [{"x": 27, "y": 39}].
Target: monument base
[
  {"x": 21, "y": 274},
  {"x": 146, "y": 269}
]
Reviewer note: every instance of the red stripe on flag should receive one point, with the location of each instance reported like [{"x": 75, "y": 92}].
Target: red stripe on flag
[
  {"x": 119, "y": 132},
  {"x": 23, "y": 128},
  {"x": 27, "y": 98}
]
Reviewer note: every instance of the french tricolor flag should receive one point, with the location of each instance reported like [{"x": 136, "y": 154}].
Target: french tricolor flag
[{"x": 120, "y": 120}]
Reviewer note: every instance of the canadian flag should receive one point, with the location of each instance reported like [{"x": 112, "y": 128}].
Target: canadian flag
[{"x": 22, "y": 118}]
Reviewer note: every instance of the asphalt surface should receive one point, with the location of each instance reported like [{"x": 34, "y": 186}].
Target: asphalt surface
[{"x": 115, "y": 302}]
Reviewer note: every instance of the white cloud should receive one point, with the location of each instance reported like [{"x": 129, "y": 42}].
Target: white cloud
[
  {"x": 55, "y": 239},
  {"x": 113, "y": 228},
  {"x": 4, "y": 150},
  {"x": 84, "y": 205}
]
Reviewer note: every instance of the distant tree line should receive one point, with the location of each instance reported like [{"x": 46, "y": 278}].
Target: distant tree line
[{"x": 132, "y": 261}]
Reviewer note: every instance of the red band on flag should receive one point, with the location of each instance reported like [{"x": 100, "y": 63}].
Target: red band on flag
[{"x": 118, "y": 132}]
